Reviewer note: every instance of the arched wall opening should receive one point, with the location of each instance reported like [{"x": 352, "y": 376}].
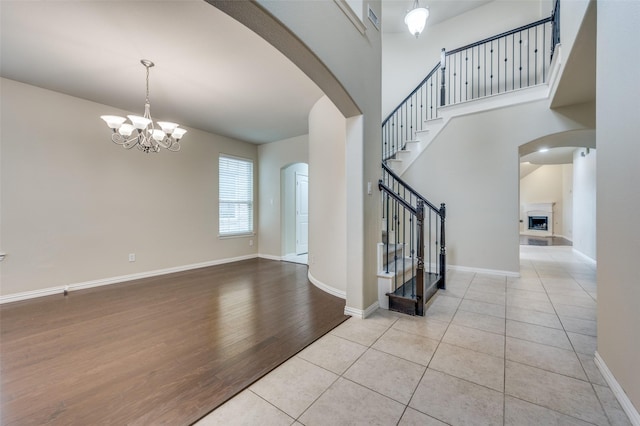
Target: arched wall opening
[
  {"x": 327, "y": 58},
  {"x": 557, "y": 191}
]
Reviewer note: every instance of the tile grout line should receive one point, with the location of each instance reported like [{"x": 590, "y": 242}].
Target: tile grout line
[
  {"x": 504, "y": 370},
  {"x": 562, "y": 325},
  {"x": 341, "y": 375},
  {"x": 270, "y": 403},
  {"x": 436, "y": 349},
  {"x": 604, "y": 412}
]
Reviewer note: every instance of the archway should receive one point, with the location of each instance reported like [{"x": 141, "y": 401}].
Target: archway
[{"x": 557, "y": 191}]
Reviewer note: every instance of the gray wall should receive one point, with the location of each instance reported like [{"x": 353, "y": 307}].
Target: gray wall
[
  {"x": 618, "y": 175},
  {"x": 473, "y": 167},
  {"x": 584, "y": 202},
  {"x": 418, "y": 56},
  {"x": 272, "y": 158},
  {"x": 354, "y": 59},
  {"x": 74, "y": 205},
  {"x": 327, "y": 197},
  {"x": 544, "y": 185}
]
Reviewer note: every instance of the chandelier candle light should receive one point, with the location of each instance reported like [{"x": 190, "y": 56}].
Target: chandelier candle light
[
  {"x": 416, "y": 19},
  {"x": 141, "y": 132}
]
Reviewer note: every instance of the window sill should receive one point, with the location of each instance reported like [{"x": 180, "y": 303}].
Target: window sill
[{"x": 232, "y": 236}]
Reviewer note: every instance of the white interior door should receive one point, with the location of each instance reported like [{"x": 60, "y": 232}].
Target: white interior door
[{"x": 302, "y": 213}]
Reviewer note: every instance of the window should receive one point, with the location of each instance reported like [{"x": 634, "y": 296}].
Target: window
[{"x": 235, "y": 196}]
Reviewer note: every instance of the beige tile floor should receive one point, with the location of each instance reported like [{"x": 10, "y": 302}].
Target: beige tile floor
[{"x": 490, "y": 350}]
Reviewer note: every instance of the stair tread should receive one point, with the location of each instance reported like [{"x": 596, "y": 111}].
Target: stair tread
[{"x": 430, "y": 279}]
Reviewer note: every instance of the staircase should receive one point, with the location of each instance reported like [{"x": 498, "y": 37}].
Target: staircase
[
  {"x": 508, "y": 62},
  {"x": 412, "y": 254}
]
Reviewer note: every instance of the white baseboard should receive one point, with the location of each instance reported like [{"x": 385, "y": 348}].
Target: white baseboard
[
  {"x": 328, "y": 289},
  {"x": 15, "y": 297},
  {"x": 585, "y": 257},
  {"x": 270, "y": 257},
  {"x": 617, "y": 390},
  {"x": 484, "y": 271},
  {"x": 359, "y": 313}
]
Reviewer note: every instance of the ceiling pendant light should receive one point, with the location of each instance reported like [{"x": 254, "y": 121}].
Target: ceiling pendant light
[
  {"x": 416, "y": 19},
  {"x": 141, "y": 131}
]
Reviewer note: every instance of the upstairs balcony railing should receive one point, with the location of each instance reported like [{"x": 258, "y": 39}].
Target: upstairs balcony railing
[{"x": 509, "y": 61}]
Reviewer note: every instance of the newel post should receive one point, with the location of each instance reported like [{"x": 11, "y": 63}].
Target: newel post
[
  {"x": 420, "y": 258},
  {"x": 443, "y": 247},
  {"x": 443, "y": 66}
]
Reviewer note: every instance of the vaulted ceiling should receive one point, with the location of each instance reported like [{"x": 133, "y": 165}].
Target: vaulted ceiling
[{"x": 210, "y": 73}]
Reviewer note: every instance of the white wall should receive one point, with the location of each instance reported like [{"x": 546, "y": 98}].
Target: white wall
[
  {"x": 543, "y": 185},
  {"x": 584, "y": 202},
  {"x": 74, "y": 205},
  {"x": 272, "y": 158},
  {"x": 355, "y": 61},
  {"x": 567, "y": 200},
  {"x": 472, "y": 166},
  {"x": 618, "y": 174},
  {"x": 572, "y": 13},
  {"x": 407, "y": 60},
  {"x": 328, "y": 196}
]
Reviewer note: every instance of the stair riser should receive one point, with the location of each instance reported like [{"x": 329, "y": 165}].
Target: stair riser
[{"x": 403, "y": 305}]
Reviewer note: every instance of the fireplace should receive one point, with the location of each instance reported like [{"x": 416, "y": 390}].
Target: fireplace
[
  {"x": 539, "y": 223},
  {"x": 538, "y": 219}
]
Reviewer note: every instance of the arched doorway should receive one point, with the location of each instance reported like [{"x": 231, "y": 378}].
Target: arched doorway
[
  {"x": 557, "y": 195},
  {"x": 294, "y": 196}
]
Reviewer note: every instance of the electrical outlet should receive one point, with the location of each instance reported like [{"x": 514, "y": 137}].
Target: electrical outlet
[
  {"x": 132, "y": 257},
  {"x": 251, "y": 242}
]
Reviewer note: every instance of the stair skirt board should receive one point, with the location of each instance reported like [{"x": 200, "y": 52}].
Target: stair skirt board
[{"x": 409, "y": 304}]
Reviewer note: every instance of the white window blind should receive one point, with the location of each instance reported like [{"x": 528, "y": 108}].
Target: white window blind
[{"x": 236, "y": 196}]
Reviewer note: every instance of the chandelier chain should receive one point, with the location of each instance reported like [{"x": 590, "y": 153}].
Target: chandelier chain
[{"x": 147, "y": 99}]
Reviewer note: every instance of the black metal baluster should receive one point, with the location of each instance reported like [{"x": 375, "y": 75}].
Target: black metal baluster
[
  {"x": 535, "y": 76},
  {"x": 513, "y": 62},
  {"x": 388, "y": 236},
  {"x": 466, "y": 75},
  {"x": 430, "y": 240},
  {"x": 455, "y": 80},
  {"x": 505, "y": 64},
  {"x": 422, "y": 102},
  {"x": 412, "y": 247},
  {"x": 485, "y": 70},
  {"x": 479, "y": 61},
  {"x": 443, "y": 247},
  {"x": 520, "y": 61},
  {"x": 498, "y": 67},
  {"x": 544, "y": 52},
  {"x": 448, "y": 67},
  {"x": 396, "y": 240},
  {"x": 472, "y": 71}
]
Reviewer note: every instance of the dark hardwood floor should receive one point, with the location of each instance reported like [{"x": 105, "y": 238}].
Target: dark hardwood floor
[
  {"x": 526, "y": 240},
  {"x": 162, "y": 350}
]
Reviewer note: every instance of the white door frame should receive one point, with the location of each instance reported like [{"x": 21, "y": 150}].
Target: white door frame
[{"x": 302, "y": 213}]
